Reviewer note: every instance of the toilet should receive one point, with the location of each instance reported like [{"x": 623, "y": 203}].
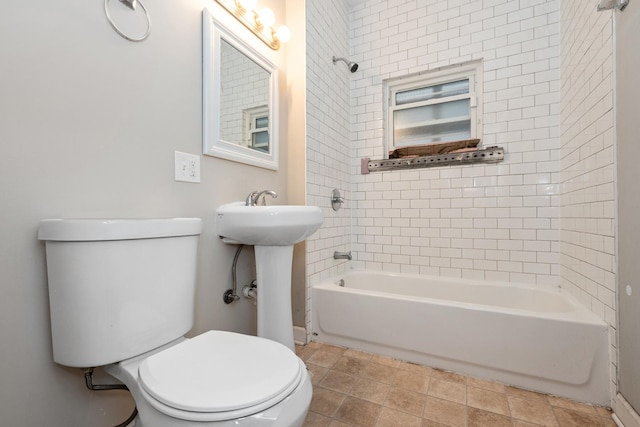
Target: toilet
[{"x": 121, "y": 296}]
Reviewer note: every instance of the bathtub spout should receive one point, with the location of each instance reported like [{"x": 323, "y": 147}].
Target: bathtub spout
[{"x": 342, "y": 255}]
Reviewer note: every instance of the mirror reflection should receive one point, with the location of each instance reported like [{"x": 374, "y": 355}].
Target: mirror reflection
[
  {"x": 240, "y": 98},
  {"x": 244, "y": 100}
]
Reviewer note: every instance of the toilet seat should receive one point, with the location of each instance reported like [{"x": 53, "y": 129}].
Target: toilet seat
[{"x": 218, "y": 376}]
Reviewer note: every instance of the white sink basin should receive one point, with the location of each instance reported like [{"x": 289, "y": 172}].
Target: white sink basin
[
  {"x": 272, "y": 230},
  {"x": 277, "y": 225}
]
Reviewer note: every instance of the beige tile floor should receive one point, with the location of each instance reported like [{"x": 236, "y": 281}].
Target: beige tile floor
[{"x": 353, "y": 388}]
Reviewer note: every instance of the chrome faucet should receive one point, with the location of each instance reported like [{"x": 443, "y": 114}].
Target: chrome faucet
[
  {"x": 342, "y": 255},
  {"x": 253, "y": 199}
]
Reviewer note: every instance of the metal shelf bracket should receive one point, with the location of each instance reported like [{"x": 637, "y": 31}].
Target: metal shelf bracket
[{"x": 485, "y": 155}]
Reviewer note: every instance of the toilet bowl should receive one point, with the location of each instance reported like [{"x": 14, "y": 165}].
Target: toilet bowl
[
  {"x": 217, "y": 379},
  {"x": 121, "y": 296}
]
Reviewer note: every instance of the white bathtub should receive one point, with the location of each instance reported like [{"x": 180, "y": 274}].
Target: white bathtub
[{"x": 528, "y": 337}]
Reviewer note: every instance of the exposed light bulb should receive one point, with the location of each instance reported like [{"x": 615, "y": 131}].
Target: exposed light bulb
[
  {"x": 247, "y": 4},
  {"x": 267, "y": 17},
  {"x": 283, "y": 33}
]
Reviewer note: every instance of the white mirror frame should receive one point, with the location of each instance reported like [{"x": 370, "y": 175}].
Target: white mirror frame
[{"x": 213, "y": 144}]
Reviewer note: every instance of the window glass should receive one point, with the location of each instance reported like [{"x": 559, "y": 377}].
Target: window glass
[
  {"x": 262, "y": 122},
  {"x": 448, "y": 121},
  {"x": 432, "y": 92},
  {"x": 431, "y": 107},
  {"x": 260, "y": 141}
]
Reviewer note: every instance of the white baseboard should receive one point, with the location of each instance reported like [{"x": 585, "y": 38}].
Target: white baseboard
[
  {"x": 299, "y": 335},
  {"x": 624, "y": 414}
]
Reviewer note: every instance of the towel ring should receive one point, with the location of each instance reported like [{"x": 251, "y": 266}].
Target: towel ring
[{"x": 115, "y": 27}]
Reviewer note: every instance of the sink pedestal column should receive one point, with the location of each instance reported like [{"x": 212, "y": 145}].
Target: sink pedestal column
[{"x": 273, "y": 276}]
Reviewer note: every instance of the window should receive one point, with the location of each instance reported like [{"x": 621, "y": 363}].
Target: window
[
  {"x": 433, "y": 107},
  {"x": 256, "y": 128}
]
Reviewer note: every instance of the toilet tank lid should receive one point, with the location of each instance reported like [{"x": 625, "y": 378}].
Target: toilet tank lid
[{"x": 78, "y": 230}]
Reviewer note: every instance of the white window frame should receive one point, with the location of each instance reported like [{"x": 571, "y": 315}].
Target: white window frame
[
  {"x": 250, "y": 117},
  {"x": 471, "y": 70}
]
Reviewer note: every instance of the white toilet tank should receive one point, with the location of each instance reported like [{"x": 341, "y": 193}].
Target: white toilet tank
[{"x": 118, "y": 288}]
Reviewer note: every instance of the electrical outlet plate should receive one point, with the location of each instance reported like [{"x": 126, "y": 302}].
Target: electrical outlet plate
[{"x": 187, "y": 167}]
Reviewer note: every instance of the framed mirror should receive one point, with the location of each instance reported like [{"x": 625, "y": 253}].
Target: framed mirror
[{"x": 240, "y": 99}]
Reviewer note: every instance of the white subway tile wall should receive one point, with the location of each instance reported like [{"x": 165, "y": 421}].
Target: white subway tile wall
[
  {"x": 483, "y": 221},
  {"x": 587, "y": 178},
  {"x": 328, "y": 145},
  {"x": 544, "y": 216}
]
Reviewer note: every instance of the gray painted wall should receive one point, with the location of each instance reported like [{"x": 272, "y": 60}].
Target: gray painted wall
[{"x": 88, "y": 128}]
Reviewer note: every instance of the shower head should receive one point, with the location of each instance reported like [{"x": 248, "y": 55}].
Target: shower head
[{"x": 353, "y": 67}]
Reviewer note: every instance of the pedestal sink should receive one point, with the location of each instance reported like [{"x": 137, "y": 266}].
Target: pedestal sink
[{"x": 273, "y": 230}]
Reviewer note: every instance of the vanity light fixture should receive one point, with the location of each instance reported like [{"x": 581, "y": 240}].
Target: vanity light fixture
[
  {"x": 258, "y": 22},
  {"x": 248, "y": 4},
  {"x": 266, "y": 17}
]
